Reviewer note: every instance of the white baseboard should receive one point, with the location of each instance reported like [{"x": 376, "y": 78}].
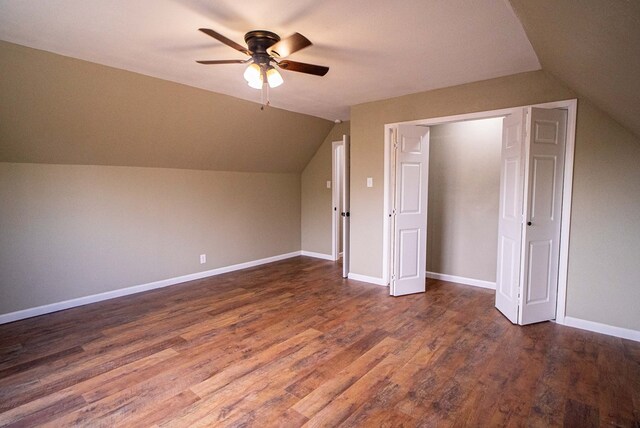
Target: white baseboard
[
  {"x": 317, "y": 255},
  {"x": 365, "y": 278},
  {"x": 462, "y": 280},
  {"x": 80, "y": 301},
  {"x": 597, "y": 327}
]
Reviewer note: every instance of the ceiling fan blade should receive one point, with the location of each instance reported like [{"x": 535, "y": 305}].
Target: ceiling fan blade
[
  {"x": 223, "y": 39},
  {"x": 291, "y": 44},
  {"x": 301, "y": 67},
  {"x": 224, "y": 61}
]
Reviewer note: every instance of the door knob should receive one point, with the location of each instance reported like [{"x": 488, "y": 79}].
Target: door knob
[{"x": 528, "y": 223}]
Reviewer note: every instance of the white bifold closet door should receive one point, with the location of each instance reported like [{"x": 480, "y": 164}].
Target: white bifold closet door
[
  {"x": 532, "y": 171},
  {"x": 409, "y": 215}
]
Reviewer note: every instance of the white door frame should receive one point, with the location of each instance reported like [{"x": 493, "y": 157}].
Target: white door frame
[
  {"x": 336, "y": 185},
  {"x": 571, "y": 107},
  {"x": 346, "y": 204}
]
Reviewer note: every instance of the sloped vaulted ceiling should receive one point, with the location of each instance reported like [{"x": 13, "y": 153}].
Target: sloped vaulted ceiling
[
  {"x": 57, "y": 109},
  {"x": 63, "y": 109},
  {"x": 591, "y": 45}
]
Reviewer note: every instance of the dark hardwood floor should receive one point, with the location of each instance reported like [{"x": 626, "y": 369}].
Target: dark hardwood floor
[{"x": 292, "y": 343}]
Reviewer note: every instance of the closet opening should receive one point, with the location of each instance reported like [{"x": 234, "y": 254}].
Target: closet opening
[{"x": 440, "y": 205}]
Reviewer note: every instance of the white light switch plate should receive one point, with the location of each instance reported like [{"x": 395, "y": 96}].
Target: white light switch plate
[
  {"x": 369, "y": 181},
  {"x": 328, "y": 184}
]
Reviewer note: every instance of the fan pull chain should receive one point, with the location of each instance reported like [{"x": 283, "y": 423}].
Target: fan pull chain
[
  {"x": 263, "y": 75},
  {"x": 264, "y": 95},
  {"x": 268, "y": 95}
]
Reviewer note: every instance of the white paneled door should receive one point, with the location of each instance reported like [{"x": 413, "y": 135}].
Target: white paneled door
[
  {"x": 411, "y": 147},
  {"x": 543, "y": 209},
  {"x": 530, "y": 221},
  {"x": 510, "y": 215}
]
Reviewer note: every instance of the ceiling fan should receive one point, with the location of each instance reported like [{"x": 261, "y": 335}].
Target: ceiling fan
[{"x": 265, "y": 50}]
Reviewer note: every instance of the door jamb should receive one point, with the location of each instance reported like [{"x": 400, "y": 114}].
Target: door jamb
[
  {"x": 335, "y": 200},
  {"x": 567, "y": 188}
]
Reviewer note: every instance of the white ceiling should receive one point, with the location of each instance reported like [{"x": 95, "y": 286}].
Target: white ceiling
[{"x": 375, "y": 49}]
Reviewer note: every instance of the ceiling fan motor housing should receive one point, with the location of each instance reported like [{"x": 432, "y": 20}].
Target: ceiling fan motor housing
[{"x": 258, "y": 42}]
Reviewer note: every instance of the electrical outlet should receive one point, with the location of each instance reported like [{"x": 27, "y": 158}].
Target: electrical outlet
[{"x": 203, "y": 259}]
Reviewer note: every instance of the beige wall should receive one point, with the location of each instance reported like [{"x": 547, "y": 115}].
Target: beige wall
[
  {"x": 605, "y": 235},
  {"x": 367, "y": 144},
  {"x": 69, "y": 230},
  {"x": 464, "y": 188},
  {"x": 316, "y": 198},
  {"x": 604, "y": 256}
]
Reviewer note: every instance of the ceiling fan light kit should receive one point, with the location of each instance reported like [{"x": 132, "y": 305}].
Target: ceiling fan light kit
[
  {"x": 266, "y": 49},
  {"x": 254, "y": 75}
]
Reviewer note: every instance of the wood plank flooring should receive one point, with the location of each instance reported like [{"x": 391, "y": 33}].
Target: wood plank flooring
[{"x": 293, "y": 344}]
